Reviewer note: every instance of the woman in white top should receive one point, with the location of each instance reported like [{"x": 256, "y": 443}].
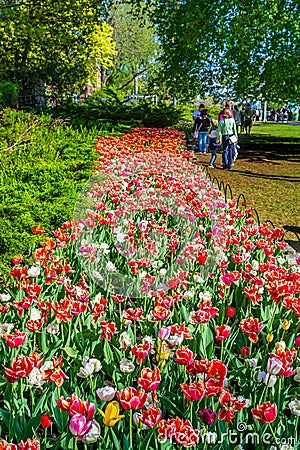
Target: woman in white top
[{"x": 226, "y": 130}]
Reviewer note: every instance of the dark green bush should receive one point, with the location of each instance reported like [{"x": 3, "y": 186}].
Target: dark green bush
[
  {"x": 114, "y": 115},
  {"x": 8, "y": 94}
]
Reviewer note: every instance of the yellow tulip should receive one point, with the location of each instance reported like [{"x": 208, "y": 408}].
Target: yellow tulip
[
  {"x": 286, "y": 324},
  {"x": 270, "y": 337},
  {"x": 163, "y": 354},
  {"x": 112, "y": 414}
]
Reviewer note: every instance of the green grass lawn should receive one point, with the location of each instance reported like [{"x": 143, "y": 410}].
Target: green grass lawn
[{"x": 267, "y": 172}]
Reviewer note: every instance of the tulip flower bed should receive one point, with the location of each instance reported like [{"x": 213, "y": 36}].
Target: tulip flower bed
[{"x": 160, "y": 317}]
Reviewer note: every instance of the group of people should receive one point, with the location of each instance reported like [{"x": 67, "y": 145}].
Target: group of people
[{"x": 225, "y": 134}]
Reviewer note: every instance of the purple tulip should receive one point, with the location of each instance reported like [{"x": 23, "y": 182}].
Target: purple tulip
[{"x": 207, "y": 416}]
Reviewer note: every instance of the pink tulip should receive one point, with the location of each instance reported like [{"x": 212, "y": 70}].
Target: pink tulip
[
  {"x": 79, "y": 425},
  {"x": 164, "y": 333}
]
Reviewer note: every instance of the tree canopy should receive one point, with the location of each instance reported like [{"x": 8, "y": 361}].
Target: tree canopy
[
  {"x": 186, "y": 47},
  {"x": 59, "y": 42},
  {"x": 242, "y": 48}
]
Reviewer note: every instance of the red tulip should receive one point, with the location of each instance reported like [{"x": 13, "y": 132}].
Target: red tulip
[
  {"x": 149, "y": 380},
  {"x": 216, "y": 373},
  {"x": 151, "y": 416},
  {"x": 222, "y": 332},
  {"x": 22, "y": 366},
  {"x": 15, "y": 340},
  {"x": 184, "y": 356},
  {"x": 18, "y": 259},
  {"x": 4, "y": 445},
  {"x": 30, "y": 444},
  {"x": 46, "y": 421},
  {"x": 207, "y": 416},
  {"x": 141, "y": 351},
  {"x": 193, "y": 391},
  {"x": 251, "y": 326},
  {"x": 130, "y": 398},
  {"x": 230, "y": 312},
  {"x": 265, "y": 412},
  {"x": 245, "y": 351},
  {"x": 38, "y": 230}
]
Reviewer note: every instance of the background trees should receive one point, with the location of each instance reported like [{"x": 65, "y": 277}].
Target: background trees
[
  {"x": 182, "y": 48},
  {"x": 222, "y": 47},
  {"x": 136, "y": 49},
  {"x": 59, "y": 42}
]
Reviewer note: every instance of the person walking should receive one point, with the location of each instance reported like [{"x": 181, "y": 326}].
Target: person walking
[
  {"x": 248, "y": 119},
  {"x": 202, "y": 125},
  {"x": 237, "y": 117},
  {"x": 228, "y": 107},
  {"x": 198, "y": 112},
  {"x": 228, "y": 133},
  {"x": 212, "y": 145},
  {"x": 242, "y": 119}
]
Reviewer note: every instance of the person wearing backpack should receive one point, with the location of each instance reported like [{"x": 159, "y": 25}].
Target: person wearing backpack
[{"x": 202, "y": 125}]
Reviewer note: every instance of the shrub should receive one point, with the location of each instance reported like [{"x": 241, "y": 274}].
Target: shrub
[{"x": 8, "y": 94}]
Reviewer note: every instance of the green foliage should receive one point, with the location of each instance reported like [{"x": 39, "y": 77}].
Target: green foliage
[
  {"x": 239, "y": 48},
  {"x": 44, "y": 165},
  {"x": 137, "y": 48},
  {"x": 8, "y": 93},
  {"x": 59, "y": 43},
  {"x": 117, "y": 116}
]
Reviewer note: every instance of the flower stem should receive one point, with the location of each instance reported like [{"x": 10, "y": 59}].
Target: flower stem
[{"x": 130, "y": 429}]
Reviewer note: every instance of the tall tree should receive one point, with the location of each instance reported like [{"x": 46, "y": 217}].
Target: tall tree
[
  {"x": 239, "y": 47},
  {"x": 136, "y": 45},
  {"x": 52, "y": 40}
]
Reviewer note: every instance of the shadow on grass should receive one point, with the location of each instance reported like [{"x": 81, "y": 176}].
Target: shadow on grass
[
  {"x": 258, "y": 148},
  {"x": 248, "y": 173}
]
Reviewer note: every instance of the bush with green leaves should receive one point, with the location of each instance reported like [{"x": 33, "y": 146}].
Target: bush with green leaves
[
  {"x": 44, "y": 164},
  {"x": 8, "y": 93}
]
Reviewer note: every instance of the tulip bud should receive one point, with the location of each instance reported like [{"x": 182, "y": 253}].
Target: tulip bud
[
  {"x": 230, "y": 312},
  {"x": 297, "y": 341},
  {"x": 269, "y": 337},
  {"x": 274, "y": 366},
  {"x": 245, "y": 351},
  {"x": 46, "y": 421},
  {"x": 164, "y": 333},
  {"x": 106, "y": 393},
  {"x": 286, "y": 324},
  {"x": 136, "y": 419}
]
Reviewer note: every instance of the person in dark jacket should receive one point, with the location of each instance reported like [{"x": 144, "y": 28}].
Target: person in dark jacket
[
  {"x": 202, "y": 125},
  {"x": 212, "y": 146}
]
